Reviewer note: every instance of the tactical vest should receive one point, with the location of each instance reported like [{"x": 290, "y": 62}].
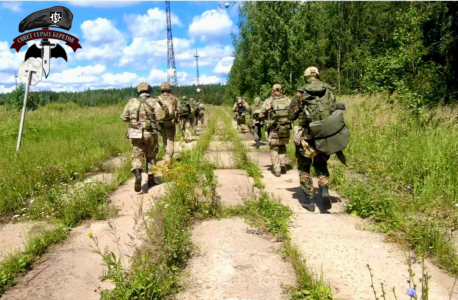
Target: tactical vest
[
  {"x": 241, "y": 108},
  {"x": 185, "y": 108},
  {"x": 280, "y": 110},
  {"x": 153, "y": 115},
  {"x": 170, "y": 103},
  {"x": 256, "y": 110}
]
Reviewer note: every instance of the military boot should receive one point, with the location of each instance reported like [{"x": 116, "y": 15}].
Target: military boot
[
  {"x": 277, "y": 172},
  {"x": 327, "y": 204},
  {"x": 283, "y": 169},
  {"x": 151, "y": 181},
  {"x": 257, "y": 144},
  {"x": 308, "y": 203},
  {"x": 138, "y": 180}
]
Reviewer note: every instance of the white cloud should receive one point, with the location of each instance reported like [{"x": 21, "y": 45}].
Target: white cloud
[
  {"x": 212, "y": 25},
  {"x": 151, "y": 25},
  {"x": 13, "y": 6},
  {"x": 209, "y": 55},
  {"x": 224, "y": 65},
  {"x": 143, "y": 52},
  {"x": 103, "y": 3},
  {"x": 204, "y": 79},
  {"x": 103, "y": 41},
  {"x": 4, "y": 89}
]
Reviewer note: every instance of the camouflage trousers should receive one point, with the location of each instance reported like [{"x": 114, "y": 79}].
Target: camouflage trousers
[
  {"x": 185, "y": 127},
  {"x": 144, "y": 150},
  {"x": 241, "y": 125},
  {"x": 277, "y": 157},
  {"x": 257, "y": 131},
  {"x": 168, "y": 138},
  {"x": 200, "y": 120},
  {"x": 320, "y": 164}
]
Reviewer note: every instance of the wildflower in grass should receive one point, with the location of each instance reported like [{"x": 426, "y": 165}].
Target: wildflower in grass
[
  {"x": 32, "y": 200},
  {"x": 409, "y": 187},
  {"x": 88, "y": 181},
  {"x": 171, "y": 277},
  {"x": 411, "y": 292},
  {"x": 16, "y": 216},
  {"x": 89, "y": 234}
]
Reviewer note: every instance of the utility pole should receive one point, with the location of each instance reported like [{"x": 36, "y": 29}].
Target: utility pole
[
  {"x": 171, "y": 68},
  {"x": 197, "y": 68}
]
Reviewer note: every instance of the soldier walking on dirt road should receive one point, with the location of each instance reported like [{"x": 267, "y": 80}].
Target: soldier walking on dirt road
[
  {"x": 185, "y": 114},
  {"x": 255, "y": 123},
  {"x": 145, "y": 116},
  {"x": 314, "y": 106},
  {"x": 275, "y": 111},
  {"x": 169, "y": 129}
]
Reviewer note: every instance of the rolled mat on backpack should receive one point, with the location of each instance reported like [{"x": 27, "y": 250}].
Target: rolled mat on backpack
[{"x": 331, "y": 135}]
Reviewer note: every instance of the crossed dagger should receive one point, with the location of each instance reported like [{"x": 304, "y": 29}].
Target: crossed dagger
[{"x": 45, "y": 53}]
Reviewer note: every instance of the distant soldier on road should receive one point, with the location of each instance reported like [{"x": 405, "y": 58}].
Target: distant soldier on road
[
  {"x": 321, "y": 132},
  {"x": 275, "y": 111},
  {"x": 256, "y": 123},
  {"x": 241, "y": 109},
  {"x": 145, "y": 116},
  {"x": 169, "y": 130},
  {"x": 200, "y": 114},
  {"x": 193, "y": 104},
  {"x": 185, "y": 115}
]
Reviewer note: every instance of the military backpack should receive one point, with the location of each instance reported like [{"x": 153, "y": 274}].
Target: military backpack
[
  {"x": 168, "y": 103},
  {"x": 185, "y": 108},
  {"x": 319, "y": 101},
  {"x": 280, "y": 110}
]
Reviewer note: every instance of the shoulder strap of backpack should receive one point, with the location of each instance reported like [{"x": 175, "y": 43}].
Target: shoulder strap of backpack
[{"x": 143, "y": 101}]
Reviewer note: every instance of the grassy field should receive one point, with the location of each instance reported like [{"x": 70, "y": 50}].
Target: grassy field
[
  {"x": 402, "y": 174},
  {"x": 60, "y": 143}
]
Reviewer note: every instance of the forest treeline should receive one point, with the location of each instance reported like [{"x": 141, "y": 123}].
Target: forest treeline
[
  {"x": 210, "y": 93},
  {"x": 406, "y": 48}
]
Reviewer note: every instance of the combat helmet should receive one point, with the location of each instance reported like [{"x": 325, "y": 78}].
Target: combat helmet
[
  {"x": 165, "y": 87},
  {"x": 144, "y": 87},
  {"x": 311, "y": 71},
  {"x": 257, "y": 101},
  {"x": 184, "y": 98}
]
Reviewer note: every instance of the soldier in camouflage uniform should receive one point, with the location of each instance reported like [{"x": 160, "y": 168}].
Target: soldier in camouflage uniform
[
  {"x": 274, "y": 110},
  {"x": 306, "y": 154},
  {"x": 256, "y": 124},
  {"x": 169, "y": 128},
  {"x": 193, "y": 104},
  {"x": 200, "y": 114},
  {"x": 144, "y": 115},
  {"x": 241, "y": 109},
  {"x": 185, "y": 115}
]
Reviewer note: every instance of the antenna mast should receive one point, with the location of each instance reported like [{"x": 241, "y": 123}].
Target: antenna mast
[
  {"x": 197, "y": 68},
  {"x": 171, "y": 68}
]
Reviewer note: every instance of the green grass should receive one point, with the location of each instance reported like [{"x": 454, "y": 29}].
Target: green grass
[
  {"x": 403, "y": 172},
  {"x": 59, "y": 145}
]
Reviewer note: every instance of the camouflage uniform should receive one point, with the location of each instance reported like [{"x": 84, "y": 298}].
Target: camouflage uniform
[
  {"x": 241, "y": 116},
  {"x": 256, "y": 124},
  {"x": 185, "y": 120},
  {"x": 278, "y": 133},
  {"x": 200, "y": 114},
  {"x": 306, "y": 153},
  {"x": 193, "y": 104},
  {"x": 169, "y": 125},
  {"x": 144, "y": 149}
]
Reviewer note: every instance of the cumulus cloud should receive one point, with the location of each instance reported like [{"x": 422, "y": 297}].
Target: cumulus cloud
[
  {"x": 13, "y": 6},
  {"x": 224, "y": 65},
  {"x": 103, "y": 3},
  {"x": 151, "y": 25},
  {"x": 212, "y": 26},
  {"x": 103, "y": 41},
  {"x": 209, "y": 55},
  {"x": 143, "y": 52}
]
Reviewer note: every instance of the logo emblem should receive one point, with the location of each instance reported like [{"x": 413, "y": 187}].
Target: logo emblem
[{"x": 55, "y": 17}]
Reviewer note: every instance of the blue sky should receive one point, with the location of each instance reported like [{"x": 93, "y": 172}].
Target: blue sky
[{"x": 125, "y": 42}]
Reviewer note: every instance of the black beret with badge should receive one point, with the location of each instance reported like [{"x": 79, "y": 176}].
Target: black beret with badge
[{"x": 56, "y": 16}]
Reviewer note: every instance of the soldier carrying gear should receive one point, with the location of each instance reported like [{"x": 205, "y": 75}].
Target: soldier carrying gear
[
  {"x": 185, "y": 114},
  {"x": 169, "y": 128},
  {"x": 275, "y": 111},
  {"x": 200, "y": 114},
  {"x": 322, "y": 132},
  {"x": 241, "y": 109},
  {"x": 193, "y": 105},
  {"x": 145, "y": 116},
  {"x": 256, "y": 123}
]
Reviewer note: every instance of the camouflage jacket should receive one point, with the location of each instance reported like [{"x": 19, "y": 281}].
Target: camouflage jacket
[
  {"x": 171, "y": 101},
  {"x": 247, "y": 107},
  {"x": 254, "y": 112},
  {"x": 145, "y": 114},
  {"x": 267, "y": 106}
]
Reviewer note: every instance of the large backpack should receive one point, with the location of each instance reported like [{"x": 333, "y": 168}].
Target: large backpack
[
  {"x": 319, "y": 102},
  {"x": 280, "y": 110},
  {"x": 185, "y": 108},
  {"x": 171, "y": 106}
]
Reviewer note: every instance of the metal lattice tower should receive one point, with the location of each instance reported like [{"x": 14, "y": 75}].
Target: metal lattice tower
[
  {"x": 15, "y": 77},
  {"x": 171, "y": 68},
  {"x": 197, "y": 68}
]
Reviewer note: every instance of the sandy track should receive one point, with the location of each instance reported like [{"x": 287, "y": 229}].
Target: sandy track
[{"x": 331, "y": 241}]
